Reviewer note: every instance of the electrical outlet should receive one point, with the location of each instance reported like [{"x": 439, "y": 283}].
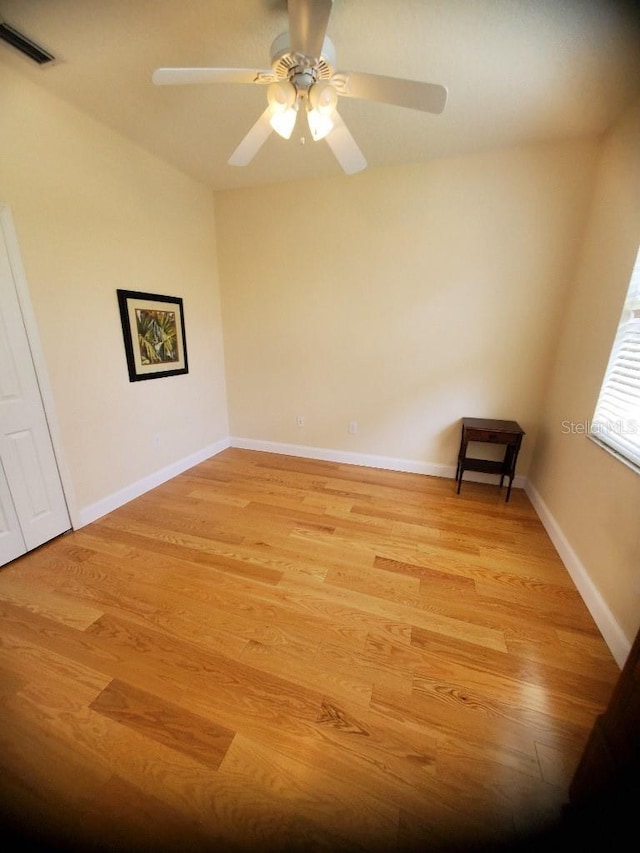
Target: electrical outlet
[
  {"x": 300, "y": 421},
  {"x": 353, "y": 427},
  {"x": 156, "y": 440}
]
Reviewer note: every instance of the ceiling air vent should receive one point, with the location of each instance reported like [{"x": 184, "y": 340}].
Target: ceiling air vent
[{"x": 24, "y": 44}]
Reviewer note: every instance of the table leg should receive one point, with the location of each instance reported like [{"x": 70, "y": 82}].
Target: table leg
[{"x": 461, "y": 455}]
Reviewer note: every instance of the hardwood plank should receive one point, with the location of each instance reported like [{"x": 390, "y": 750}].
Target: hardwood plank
[
  {"x": 373, "y": 612},
  {"x": 164, "y": 722},
  {"x": 76, "y": 614},
  {"x": 489, "y": 664},
  {"x": 310, "y": 673},
  {"x": 475, "y": 737},
  {"x": 250, "y": 554},
  {"x": 10, "y": 680},
  {"x": 345, "y": 811},
  {"x": 373, "y": 582},
  {"x": 217, "y": 809},
  {"x": 41, "y": 665},
  {"x": 145, "y": 822}
]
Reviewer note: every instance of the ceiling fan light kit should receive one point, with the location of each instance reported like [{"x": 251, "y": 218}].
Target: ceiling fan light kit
[
  {"x": 283, "y": 106},
  {"x": 303, "y": 72},
  {"x": 321, "y": 105}
]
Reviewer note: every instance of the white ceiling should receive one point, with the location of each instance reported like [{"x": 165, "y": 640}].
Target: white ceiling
[{"x": 516, "y": 71}]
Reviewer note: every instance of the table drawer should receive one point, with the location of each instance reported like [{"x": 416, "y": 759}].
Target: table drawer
[{"x": 473, "y": 434}]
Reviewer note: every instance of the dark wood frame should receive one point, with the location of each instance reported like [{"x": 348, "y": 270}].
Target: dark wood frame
[
  {"x": 605, "y": 788},
  {"x": 136, "y": 371}
]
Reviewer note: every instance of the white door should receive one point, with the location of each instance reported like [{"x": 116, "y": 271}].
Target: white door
[
  {"x": 32, "y": 502},
  {"x": 12, "y": 543}
]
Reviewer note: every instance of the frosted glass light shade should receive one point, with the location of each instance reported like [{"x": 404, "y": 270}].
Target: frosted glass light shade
[
  {"x": 319, "y": 123},
  {"x": 283, "y": 105},
  {"x": 323, "y": 99}
]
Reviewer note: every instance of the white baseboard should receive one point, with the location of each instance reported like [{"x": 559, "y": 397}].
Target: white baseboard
[
  {"x": 96, "y": 510},
  {"x": 347, "y": 457},
  {"x": 613, "y": 635}
]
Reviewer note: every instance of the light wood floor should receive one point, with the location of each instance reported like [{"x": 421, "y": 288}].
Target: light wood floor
[{"x": 270, "y": 653}]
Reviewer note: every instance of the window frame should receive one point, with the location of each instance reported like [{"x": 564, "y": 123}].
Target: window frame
[{"x": 615, "y": 425}]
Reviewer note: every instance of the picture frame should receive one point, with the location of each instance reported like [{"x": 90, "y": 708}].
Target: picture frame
[{"x": 154, "y": 334}]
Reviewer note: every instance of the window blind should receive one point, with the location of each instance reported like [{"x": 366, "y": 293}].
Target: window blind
[{"x": 616, "y": 421}]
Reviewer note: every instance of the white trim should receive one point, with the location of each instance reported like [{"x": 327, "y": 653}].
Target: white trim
[
  {"x": 618, "y": 643},
  {"x": 347, "y": 457},
  {"x": 96, "y": 510},
  {"x": 615, "y": 423},
  {"x": 37, "y": 354}
]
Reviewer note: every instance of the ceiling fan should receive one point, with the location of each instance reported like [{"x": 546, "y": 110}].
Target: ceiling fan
[{"x": 303, "y": 77}]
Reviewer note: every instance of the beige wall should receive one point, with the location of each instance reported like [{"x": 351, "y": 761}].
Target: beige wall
[
  {"x": 593, "y": 498},
  {"x": 401, "y": 298},
  {"x": 94, "y": 213}
]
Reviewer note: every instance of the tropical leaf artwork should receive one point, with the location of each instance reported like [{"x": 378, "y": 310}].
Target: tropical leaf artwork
[{"x": 157, "y": 336}]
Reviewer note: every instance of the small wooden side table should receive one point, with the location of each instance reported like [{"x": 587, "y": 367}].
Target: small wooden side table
[{"x": 491, "y": 431}]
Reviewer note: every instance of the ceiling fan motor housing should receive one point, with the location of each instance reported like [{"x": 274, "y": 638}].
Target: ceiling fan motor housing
[{"x": 302, "y": 71}]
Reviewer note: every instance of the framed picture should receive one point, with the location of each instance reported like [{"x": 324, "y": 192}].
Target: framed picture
[{"x": 154, "y": 337}]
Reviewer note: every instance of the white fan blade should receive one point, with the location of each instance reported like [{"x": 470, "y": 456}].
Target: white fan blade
[
  {"x": 428, "y": 97},
  {"x": 344, "y": 147},
  {"x": 253, "y": 141},
  {"x": 308, "y": 21},
  {"x": 183, "y": 76}
]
